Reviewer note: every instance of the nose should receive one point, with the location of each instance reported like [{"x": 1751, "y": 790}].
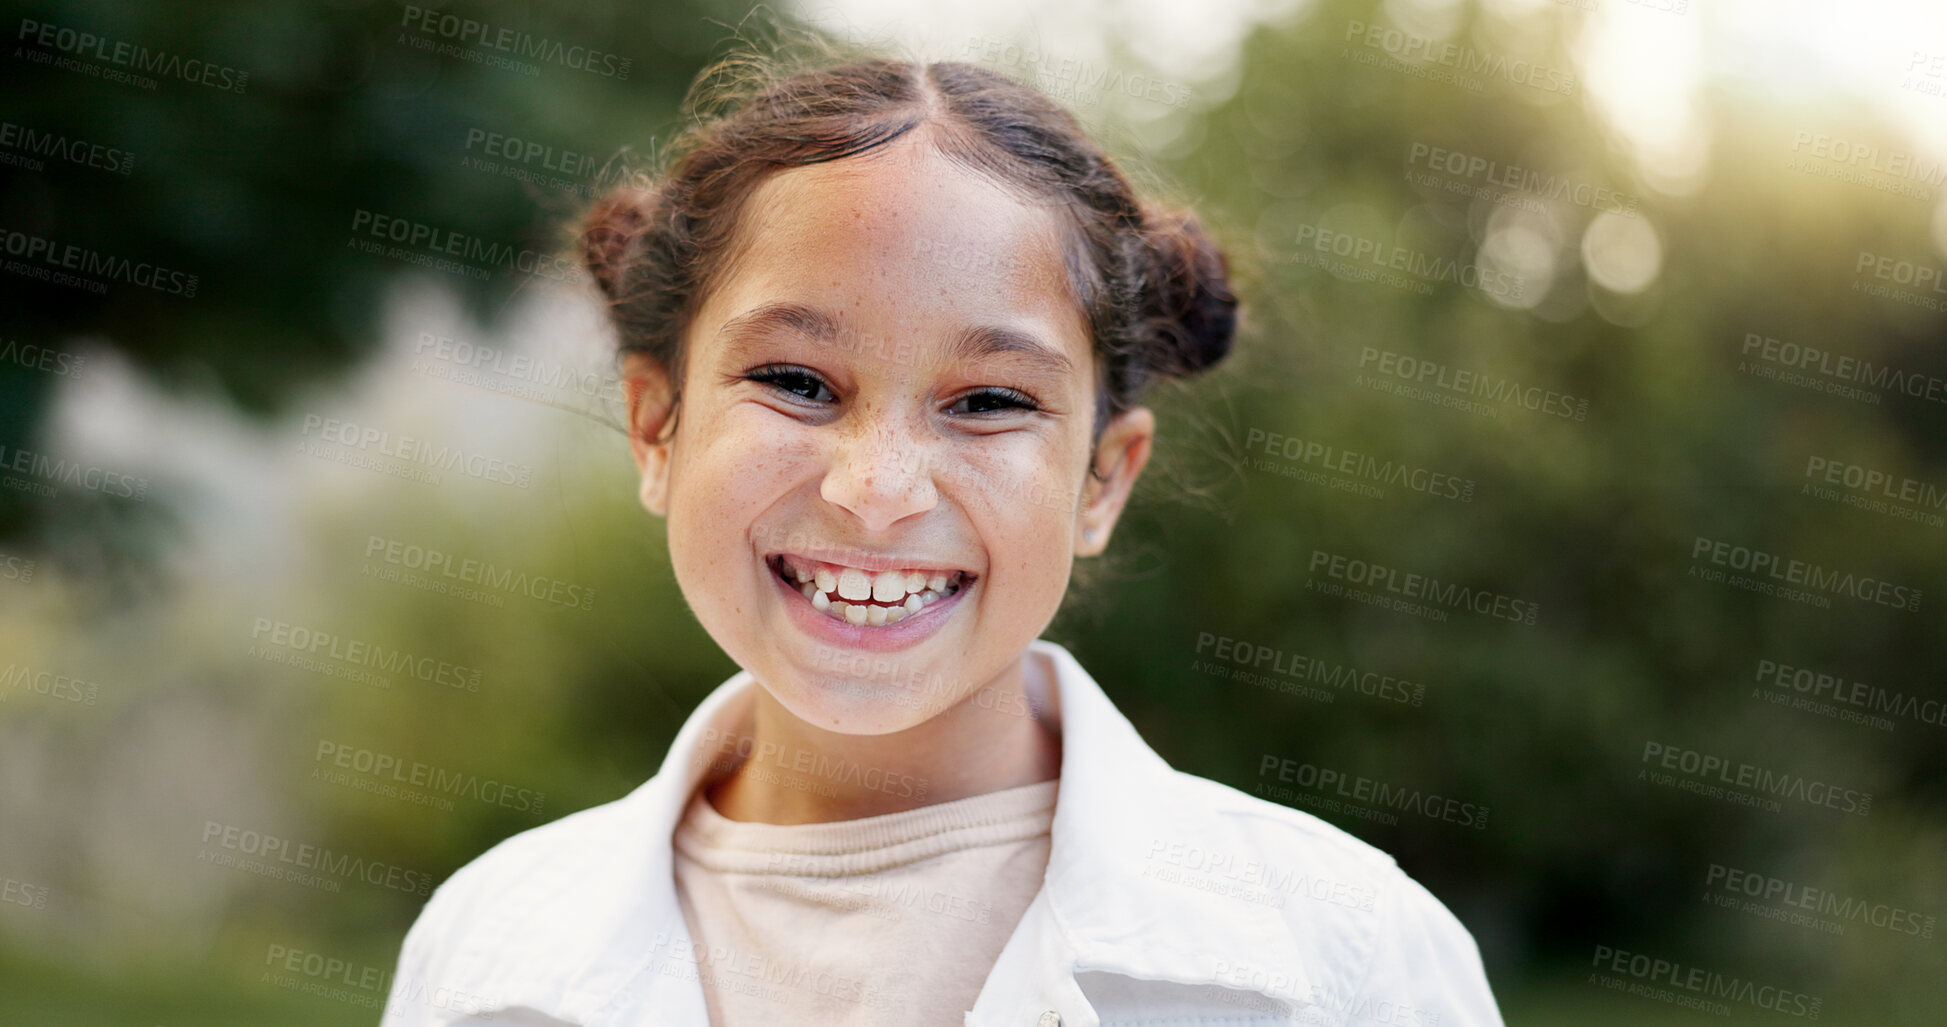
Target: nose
[{"x": 881, "y": 474}]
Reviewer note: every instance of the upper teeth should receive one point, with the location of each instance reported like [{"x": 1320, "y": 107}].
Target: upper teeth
[
  {"x": 889, "y": 587},
  {"x": 842, "y": 592}
]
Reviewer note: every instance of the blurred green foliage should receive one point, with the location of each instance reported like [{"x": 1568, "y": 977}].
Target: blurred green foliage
[{"x": 1591, "y": 519}]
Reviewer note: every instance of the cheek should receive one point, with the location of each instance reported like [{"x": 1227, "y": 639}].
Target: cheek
[
  {"x": 728, "y": 468},
  {"x": 1032, "y": 479},
  {"x": 1022, "y": 498}
]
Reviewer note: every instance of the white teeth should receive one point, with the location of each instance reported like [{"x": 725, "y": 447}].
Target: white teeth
[
  {"x": 843, "y": 592},
  {"x": 889, "y": 587},
  {"x": 853, "y": 584}
]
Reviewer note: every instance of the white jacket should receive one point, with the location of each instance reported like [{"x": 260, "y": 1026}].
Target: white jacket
[{"x": 1168, "y": 898}]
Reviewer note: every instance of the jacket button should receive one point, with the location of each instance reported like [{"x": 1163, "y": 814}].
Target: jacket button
[{"x": 1049, "y": 1019}]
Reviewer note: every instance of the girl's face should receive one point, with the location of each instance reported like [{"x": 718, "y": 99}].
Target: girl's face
[{"x": 879, "y": 476}]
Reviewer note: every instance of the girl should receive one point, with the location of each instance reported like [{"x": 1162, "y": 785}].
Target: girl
[{"x": 885, "y": 327}]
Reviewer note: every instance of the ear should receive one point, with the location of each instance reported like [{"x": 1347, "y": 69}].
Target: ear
[
  {"x": 1119, "y": 458},
  {"x": 646, "y": 386}
]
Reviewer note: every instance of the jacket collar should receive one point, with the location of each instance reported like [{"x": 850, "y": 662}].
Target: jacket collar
[
  {"x": 1123, "y": 822},
  {"x": 1123, "y": 818}
]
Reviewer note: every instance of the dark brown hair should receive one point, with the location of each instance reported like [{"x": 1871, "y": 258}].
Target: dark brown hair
[{"x": 1154, "y": 288}]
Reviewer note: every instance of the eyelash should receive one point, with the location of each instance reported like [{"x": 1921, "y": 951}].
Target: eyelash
[{"x": 777, "y": 375}]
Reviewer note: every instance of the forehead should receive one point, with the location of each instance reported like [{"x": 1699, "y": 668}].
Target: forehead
[{"x": 902, "y": 240}]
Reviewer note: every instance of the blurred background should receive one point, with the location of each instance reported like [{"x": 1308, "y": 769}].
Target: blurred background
[{"x": 1583, "y": 461}]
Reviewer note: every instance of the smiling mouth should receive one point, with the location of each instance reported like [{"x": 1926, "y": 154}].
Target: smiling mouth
[{"x": 863, "y": 597}]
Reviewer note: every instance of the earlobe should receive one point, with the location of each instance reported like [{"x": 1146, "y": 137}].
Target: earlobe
[{"x": 655, "y": 484}]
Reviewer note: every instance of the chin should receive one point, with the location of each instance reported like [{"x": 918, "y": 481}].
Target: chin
[{"x": 851, "y": 706}]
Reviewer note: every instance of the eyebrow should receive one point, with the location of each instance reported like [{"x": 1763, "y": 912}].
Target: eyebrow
[
  {"x": 988, "y": 340},
  {"x": 782, "y": 317},
  {"x": 970, "y": 343}
]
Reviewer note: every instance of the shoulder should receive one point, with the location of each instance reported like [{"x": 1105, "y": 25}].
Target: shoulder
[
  {"x": 1393, "y": 948},
  {"x": 534, "y": 913}
]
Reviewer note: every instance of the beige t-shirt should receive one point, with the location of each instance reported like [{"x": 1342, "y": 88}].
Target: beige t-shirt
[{"x": 893, "y": 920}]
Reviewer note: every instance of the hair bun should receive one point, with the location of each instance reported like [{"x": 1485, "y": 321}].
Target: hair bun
[
  {"x": 1187, "y": 299},
  {"x": 609, "y": 233}
]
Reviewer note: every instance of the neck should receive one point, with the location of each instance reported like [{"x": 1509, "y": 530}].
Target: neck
[{"x": 799, "y": 773}]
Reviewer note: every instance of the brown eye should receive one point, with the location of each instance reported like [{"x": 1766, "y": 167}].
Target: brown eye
[
  {"x": 798, "y": 381},
  {"x": 995, "y": 400}
]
